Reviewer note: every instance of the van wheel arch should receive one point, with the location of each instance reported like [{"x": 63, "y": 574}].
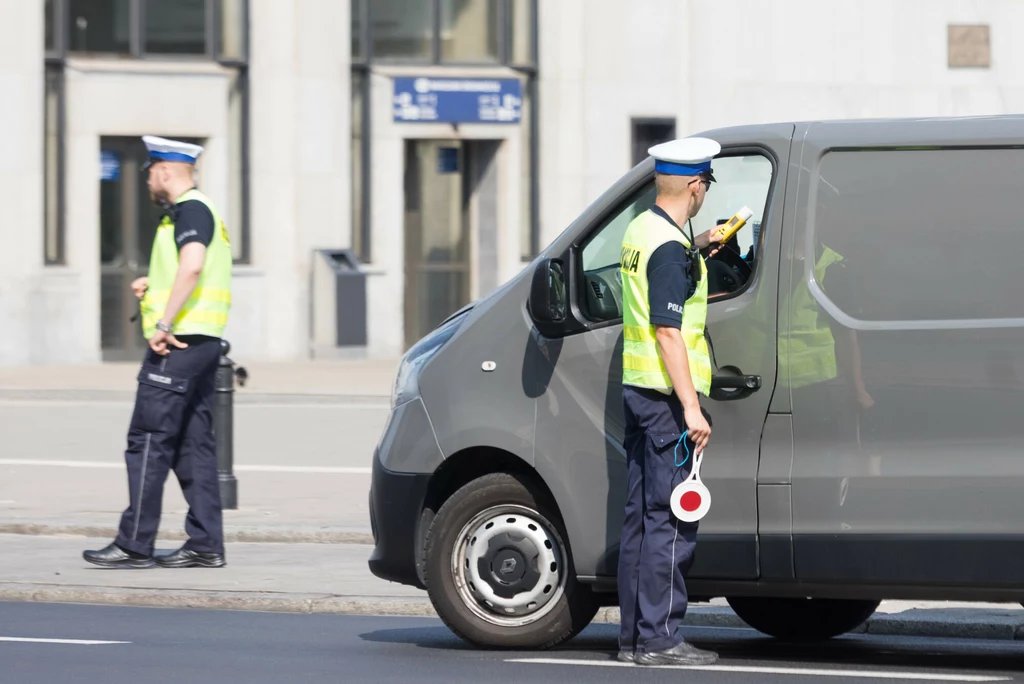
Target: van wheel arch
[{"x": 460, "y": 469}]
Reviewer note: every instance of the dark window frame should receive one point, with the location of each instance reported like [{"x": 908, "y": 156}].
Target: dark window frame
[
  {"x": 60, "y": 248},
  {"x": 137, "y": 12},
  {"x": 56, "y": 59},
  {"x": 505, "y": 26},
  {"x": 364, "y": 62}
]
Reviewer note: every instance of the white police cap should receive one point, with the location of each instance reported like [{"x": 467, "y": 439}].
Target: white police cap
[
  {"x": 685, "y": 157},
  {"x": 162, "y": 149}
]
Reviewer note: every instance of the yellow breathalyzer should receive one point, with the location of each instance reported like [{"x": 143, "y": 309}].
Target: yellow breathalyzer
[{"x": 739, "y": 219}]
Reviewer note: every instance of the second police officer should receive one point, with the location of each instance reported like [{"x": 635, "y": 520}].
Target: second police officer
[
  {"x": 665, "y": 365},
  {"x": 184, "y": 304}
]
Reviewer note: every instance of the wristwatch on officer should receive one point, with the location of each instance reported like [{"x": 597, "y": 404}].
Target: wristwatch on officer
[{"x": 163, "y": 327}]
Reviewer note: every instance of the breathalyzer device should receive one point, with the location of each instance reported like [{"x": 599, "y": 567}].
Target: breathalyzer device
[{"x": 739, "y": 219}]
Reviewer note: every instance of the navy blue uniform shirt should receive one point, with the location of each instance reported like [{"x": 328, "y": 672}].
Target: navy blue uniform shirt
[
  {"x": 193, "y": 222},
  {"x": 668, "y": 279}
]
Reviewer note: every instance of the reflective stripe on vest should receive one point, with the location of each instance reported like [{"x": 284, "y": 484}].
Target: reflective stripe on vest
[
  {"x": 641, "y": 363},
  {"x": 206, "y": 310},
  {"x": 809, "y": 352}
]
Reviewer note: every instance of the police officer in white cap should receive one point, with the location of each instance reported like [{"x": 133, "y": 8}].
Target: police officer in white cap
[
  {"x": 185, "y": 301},
  {"x": 665, "y": 365}
]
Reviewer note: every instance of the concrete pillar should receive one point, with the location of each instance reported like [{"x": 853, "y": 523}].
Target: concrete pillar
[
  {"x": 21, "y": 173},
  {"x": 299, "y": 154}
]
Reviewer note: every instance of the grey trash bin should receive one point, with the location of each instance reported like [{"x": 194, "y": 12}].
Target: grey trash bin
[{"x": 339, "y": 300}]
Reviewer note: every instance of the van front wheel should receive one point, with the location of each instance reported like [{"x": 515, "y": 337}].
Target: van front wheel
[
  {"x": 802, "y": 619},
  {"x": 498, "y": 571}
]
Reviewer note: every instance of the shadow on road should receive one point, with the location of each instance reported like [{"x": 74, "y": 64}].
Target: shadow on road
[
  {"x": 425, "y": 637},
  {"x": 739, "y": 646}
]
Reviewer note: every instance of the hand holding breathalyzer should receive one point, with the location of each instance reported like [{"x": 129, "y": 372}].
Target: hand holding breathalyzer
[{"x": 730, "y": 227}]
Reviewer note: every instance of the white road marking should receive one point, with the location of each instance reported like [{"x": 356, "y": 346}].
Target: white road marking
[
  {"x": 76, "y": 642},
  {"x": 810, "y": 672},
  {"x": 239, "y": 468},
  {"x": 107, "y": 403}
]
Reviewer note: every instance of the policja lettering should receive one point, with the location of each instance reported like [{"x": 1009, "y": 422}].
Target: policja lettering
[
  {"x": 662, "y": 417},
  {"x": 187, "y": 294},
  {"x": 629, "y": 260}
]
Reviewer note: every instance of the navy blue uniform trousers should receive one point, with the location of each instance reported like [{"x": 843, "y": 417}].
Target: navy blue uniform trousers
[
  {"x": 656, "y": 550},
  {"x": 172, "y": 428}
]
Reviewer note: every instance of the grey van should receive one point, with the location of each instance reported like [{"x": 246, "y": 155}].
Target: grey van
[{"x": 867, "y": 326}]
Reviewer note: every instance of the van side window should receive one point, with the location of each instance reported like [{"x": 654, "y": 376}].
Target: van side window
[
  {"x": 742, "y": 181},
  {"x": 602, "y": 300}
]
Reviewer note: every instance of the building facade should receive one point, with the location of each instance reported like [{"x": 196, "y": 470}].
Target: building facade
[{"x": 380, "y": 163}]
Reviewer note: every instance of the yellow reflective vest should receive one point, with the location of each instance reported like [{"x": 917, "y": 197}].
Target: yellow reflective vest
[
  {"x": 206, "y": 310},
  {"x": 641, "y": 363},
  {"x": 808, "y": 354}
]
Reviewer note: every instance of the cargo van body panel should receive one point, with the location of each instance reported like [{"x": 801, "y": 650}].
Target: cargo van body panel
[{"x": 908, "y": 436}]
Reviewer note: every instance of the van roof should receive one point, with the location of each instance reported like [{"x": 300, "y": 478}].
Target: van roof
[{"x": 869, "y": 123}]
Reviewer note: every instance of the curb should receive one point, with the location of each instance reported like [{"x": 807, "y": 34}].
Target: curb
[
  {"x": 255, "y": 535},
  {"x": 954, "y": 623},
  {"x": 320, "y": 604}
]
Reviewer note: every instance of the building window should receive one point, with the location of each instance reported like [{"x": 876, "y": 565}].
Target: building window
[
  {"x": 211, "y": 29},
  {"x": 50, "y": 41},
  {"x": 445, "y": 31},
  {"x": 469, "y": 31},
  {"x": 650, "y": 132},
  {"x": 99, "y": 26},
  {"x": 175, "y": 27},
  {"x": 53, "y": 165},
  {"x": 522, "y": 32},
  {"x": 232, "y": 38},
  {"x": 402, "y": 30}
]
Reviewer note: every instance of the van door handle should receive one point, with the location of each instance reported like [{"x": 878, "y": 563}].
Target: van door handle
[
  {"x": 733, "y": 387},
  {"x": 736, "y": 382}
]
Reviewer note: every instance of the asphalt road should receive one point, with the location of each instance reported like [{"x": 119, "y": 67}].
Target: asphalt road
[{"x": 183, "y": 645}]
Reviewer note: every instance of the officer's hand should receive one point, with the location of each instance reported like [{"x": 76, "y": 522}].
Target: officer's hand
[
  {"x": 705, "y": 239},
  {"x": 160, "y": 340},
  {"x": 139, "y": 286},
  {"x": 697, "y": 424}
]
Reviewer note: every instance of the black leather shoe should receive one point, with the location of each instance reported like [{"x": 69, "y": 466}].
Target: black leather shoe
[
  {"x": 187, "y": 558},
  {"x": 683, "y": 654},
  {"x": 113, "y": 556},
  {"x": 626, "y": 657}
]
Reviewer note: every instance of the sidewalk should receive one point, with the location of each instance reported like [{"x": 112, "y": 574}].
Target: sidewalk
[
  {"x": 304, "y": 435},
  {"x": 335, "y": 579},
  {"x": 355, "y": 377}
]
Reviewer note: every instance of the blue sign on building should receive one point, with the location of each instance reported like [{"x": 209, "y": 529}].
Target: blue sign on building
[
  {"x": 110, "y": 166},
  {"x": 458, "y": 100}
]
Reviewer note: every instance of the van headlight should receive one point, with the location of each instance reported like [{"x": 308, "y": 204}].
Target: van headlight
[{"x": 407, "y": 383}]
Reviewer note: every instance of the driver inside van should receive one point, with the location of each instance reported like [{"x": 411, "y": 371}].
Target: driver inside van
[{"x": 665, "y": 365}]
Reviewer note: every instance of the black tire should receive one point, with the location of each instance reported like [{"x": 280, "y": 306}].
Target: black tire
[
  {"x": 802, "y": 619},
  {"x": 567, "y": 609}
]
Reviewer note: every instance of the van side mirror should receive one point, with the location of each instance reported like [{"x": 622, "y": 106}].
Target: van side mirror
[{"x": 548, "y": 300}]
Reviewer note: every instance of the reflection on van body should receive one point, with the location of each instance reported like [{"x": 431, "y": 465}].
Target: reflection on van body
[{"x": 866, "y": 327}]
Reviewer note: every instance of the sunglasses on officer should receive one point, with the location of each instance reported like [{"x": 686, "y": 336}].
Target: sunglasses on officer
[{"x": 706, "y": 177}]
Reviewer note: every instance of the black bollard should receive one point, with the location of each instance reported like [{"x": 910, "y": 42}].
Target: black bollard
[{"x": 223, "y": 428}]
